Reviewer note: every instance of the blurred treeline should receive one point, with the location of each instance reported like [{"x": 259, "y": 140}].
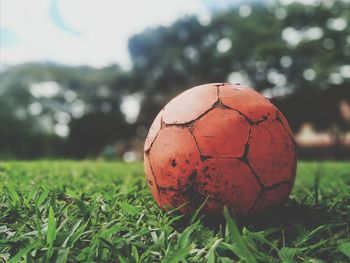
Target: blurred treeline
[{"x": 298, "y": 55}]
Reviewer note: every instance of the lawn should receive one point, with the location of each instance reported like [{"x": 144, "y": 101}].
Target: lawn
[{"x": 55, "y": 211}]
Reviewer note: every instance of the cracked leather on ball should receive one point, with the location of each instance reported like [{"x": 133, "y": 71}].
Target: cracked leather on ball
[{"x": 223, "y": 145}]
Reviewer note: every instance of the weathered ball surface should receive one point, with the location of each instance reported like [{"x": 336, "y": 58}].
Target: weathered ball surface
[{"x": 223, "y": 144}]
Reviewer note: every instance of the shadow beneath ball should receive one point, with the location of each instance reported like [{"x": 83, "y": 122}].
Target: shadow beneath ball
[
  {"x": 289, "y": 214},
  {"x": 286, "y": 216}
]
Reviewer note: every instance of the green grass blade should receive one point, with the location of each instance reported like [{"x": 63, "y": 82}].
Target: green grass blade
[
  {"x": 71, "y": 233},
  {"x": 84, "y": 197},
  {"x": 236, "y": 237},
  {"x": 211, "y": 253},
  {"x": 198, "y": 210},
  {"x": 82, "y": 206},
  {"x": 129, "y": 209},
  {"x": 122, "y": 259},
  {"x": 23, "y": 252},
  {"x": 178, "y": 256},
  {"x": 42, "y": 197},
  {"x": 51, "y": 228},
  {"x": 345, "y": 249},
  {"x": 184, "y": 239},
  {"x": 13, "y": 194},
  {"x": 287, "y": 254},
  {"x": 62, "y": 255},
  {"x": 135, "y": 253},
  {"x": 78, "y": 234},
  {"x": 51, "y": 232}
]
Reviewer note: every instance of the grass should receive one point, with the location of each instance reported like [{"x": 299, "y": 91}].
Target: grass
[{"x": 103, "y": 212}]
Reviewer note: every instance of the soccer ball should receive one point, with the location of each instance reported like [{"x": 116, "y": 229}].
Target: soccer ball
[{"x": 220, "y": 145}]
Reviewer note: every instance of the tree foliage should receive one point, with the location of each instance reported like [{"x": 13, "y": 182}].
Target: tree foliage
[{"x": 297, "y": 49}]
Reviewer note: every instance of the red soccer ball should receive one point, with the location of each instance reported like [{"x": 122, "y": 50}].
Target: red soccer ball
[{"x": 224, "y": 144}]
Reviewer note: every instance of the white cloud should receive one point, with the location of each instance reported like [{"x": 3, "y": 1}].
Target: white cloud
[{"x": 105, "y": 27}]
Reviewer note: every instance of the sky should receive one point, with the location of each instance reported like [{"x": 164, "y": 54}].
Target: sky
[{"x": 89, "y": 32}]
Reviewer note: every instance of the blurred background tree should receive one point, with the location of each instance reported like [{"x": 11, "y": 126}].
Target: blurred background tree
[{"x": 297, "y": 55}]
